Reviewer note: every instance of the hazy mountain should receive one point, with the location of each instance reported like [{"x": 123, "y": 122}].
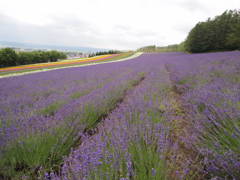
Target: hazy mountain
[{"x": 53, "y": 47}]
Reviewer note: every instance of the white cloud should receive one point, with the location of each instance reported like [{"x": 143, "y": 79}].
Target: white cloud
[{"x": 119, "y": 24}]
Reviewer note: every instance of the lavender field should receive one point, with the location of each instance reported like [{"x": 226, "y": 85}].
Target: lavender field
[{"x": 158, "y": 116}]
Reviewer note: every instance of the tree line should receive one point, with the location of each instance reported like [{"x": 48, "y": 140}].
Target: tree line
[
  {"x": 104, "y": 53},
  {"x": 169, "y": 48},
  {"x": 218, "y": 34},
  {"x": 8, "y": 57}
]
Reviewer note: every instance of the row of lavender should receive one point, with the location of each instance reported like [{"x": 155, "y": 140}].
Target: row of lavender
[{"x": 209, "y": 85}]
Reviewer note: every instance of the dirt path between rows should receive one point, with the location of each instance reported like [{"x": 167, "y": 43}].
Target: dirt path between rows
[{"x": 185, "y": 159}]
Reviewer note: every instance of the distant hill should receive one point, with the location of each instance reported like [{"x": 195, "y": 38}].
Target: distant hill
[{"x": 52, "y": 47}]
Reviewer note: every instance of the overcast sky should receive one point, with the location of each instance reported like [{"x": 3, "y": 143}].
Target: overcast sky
[{"x": 118, "y": 24}]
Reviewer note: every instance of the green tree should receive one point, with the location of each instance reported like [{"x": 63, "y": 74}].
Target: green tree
[
  {"x": 55, "y": 55},
  {"x": 217, "y": 34},
  {"x": 233, "y": 38},
  {"x": 8, "y": 57}
]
